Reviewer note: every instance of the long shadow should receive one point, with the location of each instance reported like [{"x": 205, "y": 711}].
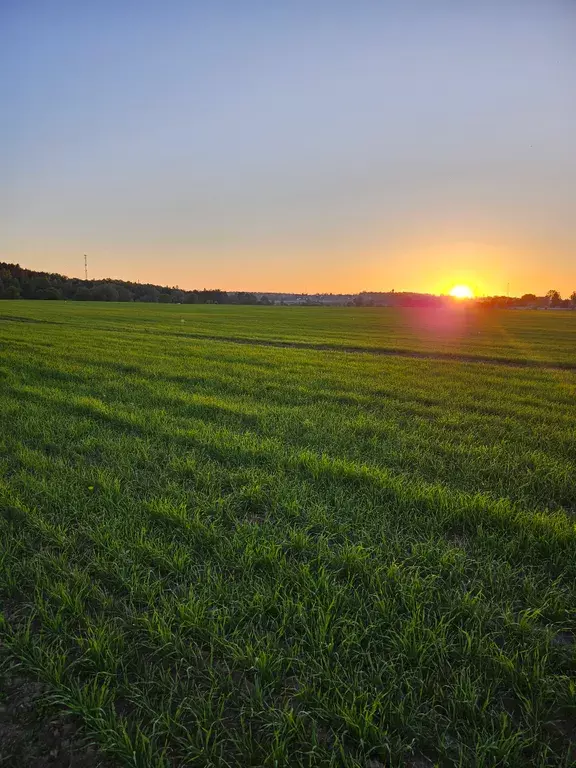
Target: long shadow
[
  {"x": 294, "y": 396},
  {"x": 394, "y": 489},
  {"x": 232, "y": 424},
  {"x": 546, "y": 542},
  {"x": 290, "y": 395}
]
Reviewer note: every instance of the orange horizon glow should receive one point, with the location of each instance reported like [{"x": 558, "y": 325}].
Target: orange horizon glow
[{"x": 434, "y": 264}]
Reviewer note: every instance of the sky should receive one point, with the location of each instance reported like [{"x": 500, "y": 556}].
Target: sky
[{"x": 302, "y": 146}]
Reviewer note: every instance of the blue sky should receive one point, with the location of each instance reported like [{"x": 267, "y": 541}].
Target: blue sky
[{"x": 292, "y": 145}]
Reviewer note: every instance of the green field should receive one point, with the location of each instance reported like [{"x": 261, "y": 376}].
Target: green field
[{"x": 229, "y": 538}]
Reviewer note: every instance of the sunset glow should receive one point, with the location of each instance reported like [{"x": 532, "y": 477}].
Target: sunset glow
[
  {"x": 462, "y": 292},
  {"x": 364, "y": 148}
]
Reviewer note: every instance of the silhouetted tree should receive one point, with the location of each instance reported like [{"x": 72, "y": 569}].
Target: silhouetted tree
[
  {"x": 242, "y": 297},
  {"x": 124, "y": 294},
  {"x": 9, "y": 290},
  {"x": 82, "y": 293},
  {"x": 104, "y": 292},
  {"x": 49, "y": 293},
  {"x": 151, "y": 294}
]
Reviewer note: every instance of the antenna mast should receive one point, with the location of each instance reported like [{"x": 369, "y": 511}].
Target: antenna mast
[{"x": 85, "y": 267}]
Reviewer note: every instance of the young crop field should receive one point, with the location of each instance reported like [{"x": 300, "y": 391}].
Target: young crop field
[{"x": 270, "y": 536}]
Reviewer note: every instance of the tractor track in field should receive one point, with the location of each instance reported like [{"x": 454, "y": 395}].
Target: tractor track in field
[
  {"x": 387, "y": 352},
  {"x": 414, "y": 354}
]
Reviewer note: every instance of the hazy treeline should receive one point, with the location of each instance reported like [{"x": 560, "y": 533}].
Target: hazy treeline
[
  {"x": 552, "y": 299},
  {"x": 17, "y": 282}
]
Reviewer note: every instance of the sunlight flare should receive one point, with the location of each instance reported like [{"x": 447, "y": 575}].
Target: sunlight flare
[{"x": 462, "y": 292}]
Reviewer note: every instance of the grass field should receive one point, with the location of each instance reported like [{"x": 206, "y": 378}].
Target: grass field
[
  {"x": 534, "y": 337},
  {"x": 222, "y": 544}
]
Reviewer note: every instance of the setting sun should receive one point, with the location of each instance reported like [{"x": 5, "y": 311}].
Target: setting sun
[{"x": 462, "y": 292}]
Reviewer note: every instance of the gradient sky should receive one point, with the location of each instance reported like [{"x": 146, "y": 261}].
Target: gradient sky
[{"x": 298, "y": 145}]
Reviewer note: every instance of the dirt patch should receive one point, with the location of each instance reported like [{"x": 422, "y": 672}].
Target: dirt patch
[
  {"x": 33, "y": 736},
  {"x": 563, "y": 732}
]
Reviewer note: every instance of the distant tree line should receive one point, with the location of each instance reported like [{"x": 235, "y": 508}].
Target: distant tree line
[
  {"x": 16, "y": 282},
  {"x": 396, "y": 299},
  {"x": 552, "y": 299}
]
